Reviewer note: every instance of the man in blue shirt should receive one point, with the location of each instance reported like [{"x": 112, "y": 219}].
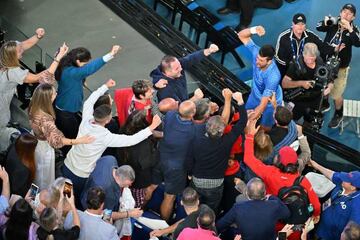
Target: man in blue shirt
[
  {"x": 343, "y": 205},
  {"x": 256, "y": 217},
  {"x": 174, "y": 146},
  {"x": 266, "y": 78},
  {"x": 112, "y": 179}
]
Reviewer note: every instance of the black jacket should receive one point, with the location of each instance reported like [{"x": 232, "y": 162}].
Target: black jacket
[
  {"x": 288, "y": 47},
  {"x": 349, "y": 39}
]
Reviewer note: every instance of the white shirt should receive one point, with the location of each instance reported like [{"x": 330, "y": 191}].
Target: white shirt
[{"x": 81, "y": 159}]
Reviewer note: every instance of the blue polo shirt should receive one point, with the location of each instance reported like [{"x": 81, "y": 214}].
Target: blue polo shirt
[{"x": 342, "y": 209}]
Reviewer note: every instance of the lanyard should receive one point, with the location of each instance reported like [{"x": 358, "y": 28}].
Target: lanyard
[{"x": 299, "y": 50}]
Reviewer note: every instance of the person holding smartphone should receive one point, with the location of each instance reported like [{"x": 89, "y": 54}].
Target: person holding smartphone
[
  {"x": 49, "y": 224},
  {"x": 93, "y": 220}
]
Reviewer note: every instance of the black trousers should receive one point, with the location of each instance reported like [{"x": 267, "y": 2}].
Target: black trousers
[
  {"x": 247, "y": 8},
  {"x": 68, "y": 123}
]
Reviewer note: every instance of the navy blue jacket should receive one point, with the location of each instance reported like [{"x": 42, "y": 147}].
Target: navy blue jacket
[
  {"x": 210, "y": 156},
  {"x": 176, "y": 87},
  {"x": 102, "y": 176},
  {"x": 178, "y": 136},
  {"x": 255, "y": 219}
]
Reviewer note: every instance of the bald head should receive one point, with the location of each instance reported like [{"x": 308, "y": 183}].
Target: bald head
[
  {"x": 256, "y": 189},
  {"x": 187, "y": 109},
  {"x": 168, "y": 104}
]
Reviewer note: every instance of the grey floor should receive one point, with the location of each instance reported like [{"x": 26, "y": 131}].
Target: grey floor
[{"x": 90, "y": 24}]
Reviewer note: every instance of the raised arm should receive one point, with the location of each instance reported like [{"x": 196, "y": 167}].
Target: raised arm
[
  {"x": 88, "y": 108},
  {"x": 245, "y": 35},
  {"x": 96, "y": 64},
  {"x": 227, "y": 94},
  {"x": 325, "y": 171},
  {"x": 30, "y": 42},
  {"x": 48, "y": 74}
]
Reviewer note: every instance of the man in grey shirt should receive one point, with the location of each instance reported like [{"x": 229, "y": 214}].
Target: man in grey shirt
[{"x": 92, "y": 224}]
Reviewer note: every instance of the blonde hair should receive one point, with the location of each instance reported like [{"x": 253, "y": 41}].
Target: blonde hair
[
  {"x": 8, "y": 55},
  {"x": 263, "y": 146},
  {"x": 41, "y": 100}
]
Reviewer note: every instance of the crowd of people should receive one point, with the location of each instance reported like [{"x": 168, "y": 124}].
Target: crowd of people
[{"x": 237, "y": 169}]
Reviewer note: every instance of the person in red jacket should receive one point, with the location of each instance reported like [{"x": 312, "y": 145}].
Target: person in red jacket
[{"x": 283, "y": 174}]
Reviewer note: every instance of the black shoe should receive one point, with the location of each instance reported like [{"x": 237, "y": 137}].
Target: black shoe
[
  {"x": 335, "y": 121},
  {"x": 225, "y": 11},
  {"x": 325, "y": 107}
]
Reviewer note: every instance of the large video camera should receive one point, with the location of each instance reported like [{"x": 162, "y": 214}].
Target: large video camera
[
  {"x": 327, "y": 72},
  {"x": 323, "y": 75}
]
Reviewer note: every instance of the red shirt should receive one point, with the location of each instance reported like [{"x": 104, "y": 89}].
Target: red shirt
[
  {"x": 126, "y": 103},
  {"x": 273, "y": 178}
]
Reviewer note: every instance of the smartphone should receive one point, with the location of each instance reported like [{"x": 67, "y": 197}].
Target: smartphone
[
  {"x": 107, "y": 215},
  {"x": 34, "y": 189},
  {"x": 298, "y": 227},
  {"x": 67, "y": 189},
  {"x": 282, "y": 235}
]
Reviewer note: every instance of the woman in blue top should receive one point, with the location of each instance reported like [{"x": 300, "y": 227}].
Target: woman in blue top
[{"x": 71, "y": 73}]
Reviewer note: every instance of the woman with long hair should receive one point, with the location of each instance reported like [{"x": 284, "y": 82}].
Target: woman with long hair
[
  {"x": 42, "y": 121},
  {"x": 49, "y": 223},
  {"x": 11, "y": 75},
  {"x": 142, "y": 157},
  {"x": 73, "y": 69},
  {"x": 19, "y": 225},
  {"x": 20, "y": 164}
]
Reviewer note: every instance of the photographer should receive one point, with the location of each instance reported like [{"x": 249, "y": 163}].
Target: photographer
[
  {"x": 301, "y": 78},
  {"x": 342, "y": 32}
]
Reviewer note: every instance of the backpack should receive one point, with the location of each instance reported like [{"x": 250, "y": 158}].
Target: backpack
[{"x": 296, "y": 199}]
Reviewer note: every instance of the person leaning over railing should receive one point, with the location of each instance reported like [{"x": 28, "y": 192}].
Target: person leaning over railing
[{"x": 11, "y": 75}]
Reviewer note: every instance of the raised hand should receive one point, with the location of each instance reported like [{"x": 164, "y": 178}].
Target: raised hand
[
  {"x": 227, "y": 94},
  {"x": 115, "y": 49},
  {"x": 237, "y": 96},
  {"x": 40, "y": 33},
  {"x": 251, "y": 127},
  {"x": 62, "y": 51},
  {"x": 198, "y": 93},
  {"x": 110, "y": 83},
  {"x": 260, "y": 31},
  {"x": 213, "y": 48}
]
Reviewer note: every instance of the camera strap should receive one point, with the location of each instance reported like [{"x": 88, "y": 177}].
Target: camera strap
[{"x": 337, "y": 39}]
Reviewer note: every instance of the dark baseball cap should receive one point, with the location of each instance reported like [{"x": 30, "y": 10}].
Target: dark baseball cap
[
  {"x": 350, "y": 7},
  {"x": 299, "y": 17}
]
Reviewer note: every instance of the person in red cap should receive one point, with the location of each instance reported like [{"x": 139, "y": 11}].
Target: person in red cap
[
  {"x": 343, "y": 205},
  {"x": 283, "y": 174}
]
